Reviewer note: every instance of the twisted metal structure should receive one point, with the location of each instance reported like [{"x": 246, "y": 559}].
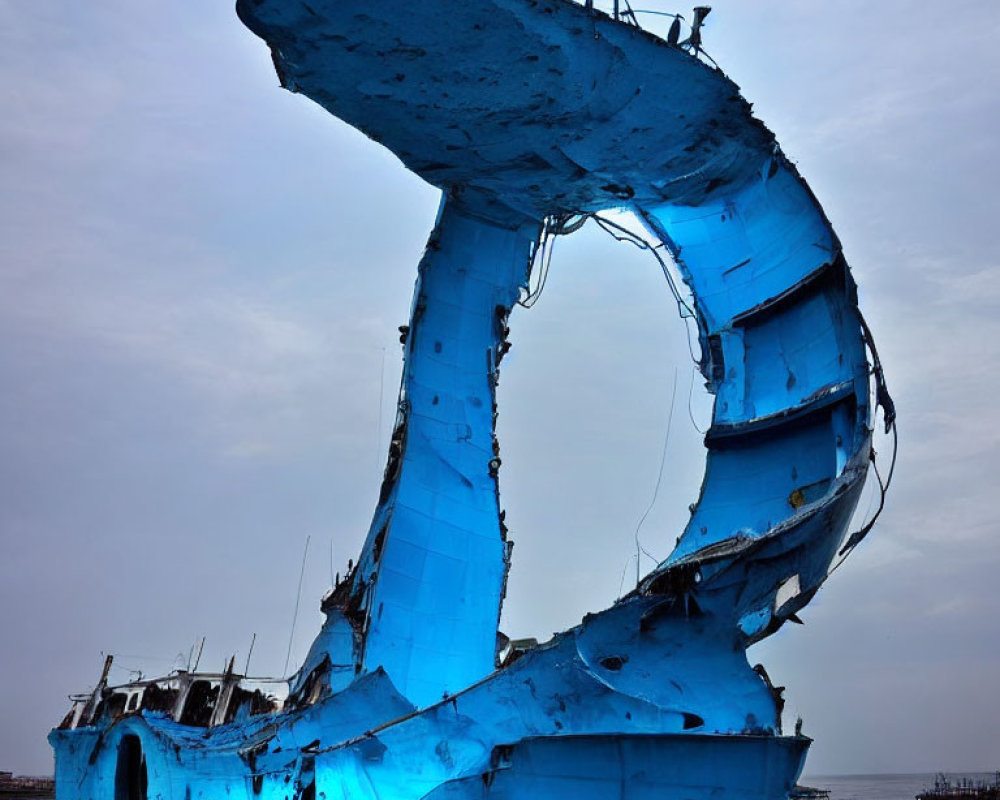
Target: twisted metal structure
[{"x": 532, "y": 116}]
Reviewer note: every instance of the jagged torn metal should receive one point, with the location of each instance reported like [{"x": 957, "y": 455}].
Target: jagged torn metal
[{"x": 526, "y": 113}]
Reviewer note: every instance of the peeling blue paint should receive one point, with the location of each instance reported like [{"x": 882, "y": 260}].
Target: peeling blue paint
[{"x": 532, "y": 115}]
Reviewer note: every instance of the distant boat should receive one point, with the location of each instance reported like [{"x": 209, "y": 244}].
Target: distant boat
[
  {"x": 945, "y": 787},
  {"x": 534, "y": 117},
  {"x": 22, "y": 787},
  {"x": 808, "y": 793}
]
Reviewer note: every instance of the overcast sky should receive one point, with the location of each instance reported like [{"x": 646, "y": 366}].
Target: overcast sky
[{"x": 201, "y": 276}]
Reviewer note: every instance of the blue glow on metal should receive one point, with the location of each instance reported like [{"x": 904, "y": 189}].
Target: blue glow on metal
[
  {"x": 532, "y": 115},
  {"x": 430, "y": 579}
]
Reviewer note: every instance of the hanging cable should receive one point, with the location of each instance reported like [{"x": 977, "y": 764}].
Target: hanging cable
[
  {"x": 623, "y": 234},
  {"x": 882, "y": 396},
  {"x": 694, "y": 372},
  {"x": 542, "y": 258},
  {"x": 855, "y": 538},
  {"x": 557, "y": 225},
  {"x": 884, "y": 401},
  {"x": 659, "y": 480},
  {"x": 562, "y": 225}
]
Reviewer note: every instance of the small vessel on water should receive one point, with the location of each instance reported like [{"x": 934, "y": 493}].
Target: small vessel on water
[
  {"x": 965, "y": 787},
  {"x": 535, "y": 117},
  {"x": 800, "y": 792},
  {"x": 22, "y": 787}
]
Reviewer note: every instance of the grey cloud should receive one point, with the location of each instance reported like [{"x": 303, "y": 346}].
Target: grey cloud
[{"x": 199, "y": 272}]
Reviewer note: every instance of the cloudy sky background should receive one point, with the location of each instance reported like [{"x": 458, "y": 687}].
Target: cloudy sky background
[{"x": 201, "y": 276}]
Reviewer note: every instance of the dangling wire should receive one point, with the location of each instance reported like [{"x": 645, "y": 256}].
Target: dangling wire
[
  {"x": 659, "y": 479},
  {"x": 884, "y": 401},
  {"x": 562, "y": 225},
  {"x": 882, "y": 396},
  {"x": 541, "y": 254},
  {"x": 855, "y": 538},
  {"x": 623, "y": 234},
  {"x": 694, "y": 371},
  {"x": 541, "y": 257}
]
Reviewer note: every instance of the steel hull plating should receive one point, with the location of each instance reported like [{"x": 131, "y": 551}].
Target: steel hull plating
[{"x": 532, "y": 116}]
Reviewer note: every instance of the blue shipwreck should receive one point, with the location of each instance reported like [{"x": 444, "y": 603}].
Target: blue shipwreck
[{"x": 534, "y": 116}]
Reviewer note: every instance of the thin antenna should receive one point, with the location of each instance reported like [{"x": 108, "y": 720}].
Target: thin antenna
[
  {"x": 621, "y": 583},
  {"x": 378, "y": 429},
  {"x": 197, "y": 661},
  {"x": 295, "y": 616},
  {"x": 332, "y": 581},
  {"x": 246, "y": 669},
  {"x": 659, "y": 479}
]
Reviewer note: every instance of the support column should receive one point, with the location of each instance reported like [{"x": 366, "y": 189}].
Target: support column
[{"x": 425, "y": 596}]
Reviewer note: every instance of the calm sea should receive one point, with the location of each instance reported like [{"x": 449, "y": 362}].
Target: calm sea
[{"x": 882, "y": 787}]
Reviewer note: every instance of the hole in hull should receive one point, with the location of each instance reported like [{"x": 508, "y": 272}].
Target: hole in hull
[{"x": 131, "y": 778}]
